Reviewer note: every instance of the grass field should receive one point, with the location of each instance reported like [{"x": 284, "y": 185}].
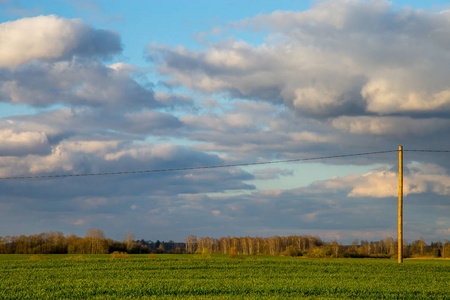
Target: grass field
[{"x": 189, "y": 276}]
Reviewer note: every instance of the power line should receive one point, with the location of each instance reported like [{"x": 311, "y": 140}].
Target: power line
[
  {"x": 198, "y": 168},
  {"x": 445, "y": 151}
]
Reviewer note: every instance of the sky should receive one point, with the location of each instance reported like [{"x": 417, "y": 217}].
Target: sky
[{"x": 118, "y": 86}]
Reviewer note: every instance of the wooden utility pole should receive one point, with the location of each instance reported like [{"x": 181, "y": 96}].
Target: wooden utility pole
[{"x": 400, "y": 204}]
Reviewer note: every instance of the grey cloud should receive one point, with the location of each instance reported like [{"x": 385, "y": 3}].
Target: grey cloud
[
  {"x": 87, "y": 124},
  {"x": 393, "y": 126},
  {"x": 81, "y": 157},
  {"x": 150, "y": 122},
  {"x": 311, "y": 210},
  {"x": 78, "y": 83},
  {"x": 318, "y": 208},
  {"x": 272, "y": 173},
  {"x": 270, "y": 132},
  {"x": 173, "y": 100},
  {"x": 293, "y": 212},
  {"x": 98, "y": 42},
  {"x": 250, "y": 130},
  {"x": 317, "y": 89}
]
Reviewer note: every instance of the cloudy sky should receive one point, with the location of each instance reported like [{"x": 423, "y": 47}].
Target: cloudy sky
[{"x": 111, "y": 86}]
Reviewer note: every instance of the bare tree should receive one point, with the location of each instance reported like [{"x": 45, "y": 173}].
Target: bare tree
[
  {"x": 191, "y": 243},
  {"x": 129, "y": 241},
  {"x": 96, "y": 237}
]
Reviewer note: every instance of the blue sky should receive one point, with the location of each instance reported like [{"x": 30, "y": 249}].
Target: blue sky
[{"x": 106, "y": 86}]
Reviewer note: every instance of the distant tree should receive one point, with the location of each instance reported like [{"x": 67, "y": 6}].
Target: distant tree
[
  {"x": 336, "y": 248},
  {"x": 355, "y": 244},
  {"x": 291, "y": 251},
  {"x": 169, "y": 246},
  {"x": 445, "y": 249},
  {"x": 71, "y": 243},
  {"x": 234, "y": 253},
  {"x": 191, "y": 244},
  {"x": 421, "y": 243},
  {"x": 161, "y": 248},
  {"x": 96, "y": 237},
  {"x": 436, "y": 252},
  {"x": 129, "y": 242}
]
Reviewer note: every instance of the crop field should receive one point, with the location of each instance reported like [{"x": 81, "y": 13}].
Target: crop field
[{"x": 219, "y": 277}]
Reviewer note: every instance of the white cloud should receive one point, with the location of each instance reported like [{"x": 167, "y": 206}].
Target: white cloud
[
  {"x": 418, "y": 179},
  {"x": 22, "y": 143},
  {"x": 59, "y": 160},
  {"x": 164, "y": 151},
  {"x": 313, "y": 99},
  {"x": 123, "y": 68},
  {"x": 383, "y": 98},
  {"x": 52, "y": 38},
  {"x": 376, "y": 185},
  {"x": 91, "y": 146},
  {"x": 79, "y": 222},
  {"x": 63, "y": 158}
]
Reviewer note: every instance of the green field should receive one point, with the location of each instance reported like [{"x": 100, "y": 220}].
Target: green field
[{"x": 189, "y": 276}]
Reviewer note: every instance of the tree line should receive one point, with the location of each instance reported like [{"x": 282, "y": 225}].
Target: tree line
[
  {"x": 310, "y": 246},
  {"x": 95, "y": 242}
]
